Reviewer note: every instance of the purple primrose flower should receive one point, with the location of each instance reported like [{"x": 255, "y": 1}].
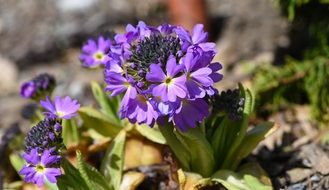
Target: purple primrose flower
[
  {"x": 41, "y": 167},
  {"x": 64, "y": 108},
  {"x": 163, "y": 72},
  {"x": 94, "y": 52}
]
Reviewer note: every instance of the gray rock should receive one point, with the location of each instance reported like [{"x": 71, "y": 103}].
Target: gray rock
[{"x": 8, "y": 76}]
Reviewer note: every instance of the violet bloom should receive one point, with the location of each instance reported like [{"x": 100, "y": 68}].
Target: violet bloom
[
  {"x": 140, "y": 110},
  {"x": 64, "y": 108},
  {"x": 162, "y": 72},
  {"x": 200, "y": 78},
  {"x": 94, "y": 52},
  {"x": 190, "y": 113},
  {"x": 40, "y": 168},
  {"x": 170, "y": 86},
  {"x": 118, "y": 84},
  {"x": 40, "y": 86},
  {"x": 28, "y": 89}
]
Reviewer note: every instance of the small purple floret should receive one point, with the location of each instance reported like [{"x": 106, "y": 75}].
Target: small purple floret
[
  {"x": 94, "y": 52},
  {"x": 41, "y": 167},
  {"x": 64, "y": 108}
]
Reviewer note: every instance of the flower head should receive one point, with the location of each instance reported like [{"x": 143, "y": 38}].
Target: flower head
[
  {"x": 46, "y": 134},
  {"x": 231, "y": 103},
  {"x": 94, "y": 52},
  {"x": 64, "y": 108},
  {"x": 40, "y": 167},
  {"x": 162, "y": 71},
  {"x": 38, "y": 87}
]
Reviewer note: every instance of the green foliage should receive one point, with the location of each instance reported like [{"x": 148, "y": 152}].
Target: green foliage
[
  {"x": 71, "y": 179},
  {"x": 297, "y": 82},
  {"x": 99, "y": 122},
  {"x": 70, "y": 132},
  {"x": 112, "y": 164},
  {"x": 85, "y": 177},
  {"x": 109, "y": 105},
  {"x": 305, "y": 80},
  {"x": 219, "y": 143},
  {"x": 92, "y": 177}
]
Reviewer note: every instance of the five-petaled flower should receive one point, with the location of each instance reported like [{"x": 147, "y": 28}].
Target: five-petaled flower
[
  {"x": 63, "y": 108},
  {"x": 40, "y": 167},
  {"x": 94, "y": 52}
]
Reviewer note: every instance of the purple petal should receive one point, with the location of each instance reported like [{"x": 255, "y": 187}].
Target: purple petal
[
  {"x": 48, "y": 105},
  {"x": 156, "y": 74},
  {"x": 199, "y": 36},
  {"x": 52, "y": 173},
  {"x": 202, "y": 76}
]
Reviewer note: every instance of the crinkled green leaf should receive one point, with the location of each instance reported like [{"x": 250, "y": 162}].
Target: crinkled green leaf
[
  {"x": 112, "y": 164},
  {"x": 202, "y": 155},
  {"x": 109, "y": 105},
  {"x": 180, "y": 151},
  {"x": 249, "y": 177},
  {"x": 99, "y": 122},
  {"x": 251, "y": 140},
  {"x": 92, "y": 177},
  {"x": 70, "y": 132},
  {"x": 153, "y": 134},
  {"x": 254, "y": 184},
  {"x": 71, "y": 179},
  {"x": 230, "y": 179}
]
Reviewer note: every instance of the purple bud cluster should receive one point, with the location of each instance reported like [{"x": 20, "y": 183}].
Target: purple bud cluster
[{"x": 39, "y": 87}]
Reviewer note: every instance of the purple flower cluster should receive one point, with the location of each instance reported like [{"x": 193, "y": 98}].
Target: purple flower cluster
[
  {"x": 38, "y": 87},
  {"x": 162, "y": 72},
  {"x": 44, "y": 142},
  {"x": 41, "y": 153}
]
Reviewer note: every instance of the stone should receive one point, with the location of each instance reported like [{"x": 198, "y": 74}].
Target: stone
[{"x": 8, "y": 76}]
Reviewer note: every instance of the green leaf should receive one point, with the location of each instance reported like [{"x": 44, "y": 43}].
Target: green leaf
[
  {"x": 93, "y": 178},
  {"x": 109, "y": 105},
  {"x": 202, "y": 155},
  {"x": 99, "y": 122},
  {"x": 250, "y": 177},
  {"x": 251, "y": 140},
  {"x": 153, "y": 134},
  {"x": 112, "y": 164},
  {"x": 255, "y": 177},
  {"x": 70, "y": 133},
  {"x": 181, "y": 152},
  {"x": 230, "y": 179},
  {"x": 255, "y": 184},
  {"x": 16, "y": 161},
  {"x": 71, "y": 180}
]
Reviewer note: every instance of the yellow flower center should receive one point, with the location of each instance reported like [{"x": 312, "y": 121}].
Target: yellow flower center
[
  {"x": 168, "y": 80},
  {"x": 60, "y": 114},
  {"x": 40, "y": 168},
  {"x": 99, "y": 56}
]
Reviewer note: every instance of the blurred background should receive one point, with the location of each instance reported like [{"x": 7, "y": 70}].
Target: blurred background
[{"x": 278, "y": 48}]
